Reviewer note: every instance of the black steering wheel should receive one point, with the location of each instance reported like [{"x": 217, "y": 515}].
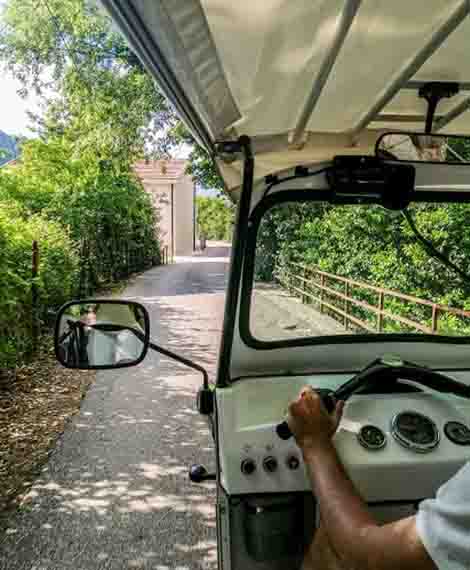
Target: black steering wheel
[{"x": 390, "y": 373}]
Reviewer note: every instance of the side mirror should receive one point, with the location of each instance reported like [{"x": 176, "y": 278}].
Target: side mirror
[{"x": 101, "y": 334}]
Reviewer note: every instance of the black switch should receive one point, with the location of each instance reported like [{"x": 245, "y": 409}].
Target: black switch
[
  {"x": 293, "y": 462},
  {"x": 270, "y": 464},
  {"x": 248, "y": 466}
]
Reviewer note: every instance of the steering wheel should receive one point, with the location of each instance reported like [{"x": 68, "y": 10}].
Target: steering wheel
[{"x": 383, "y": 371}]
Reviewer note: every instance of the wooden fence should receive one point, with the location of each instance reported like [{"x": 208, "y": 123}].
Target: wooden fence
[{"x": 338, "y": 296}]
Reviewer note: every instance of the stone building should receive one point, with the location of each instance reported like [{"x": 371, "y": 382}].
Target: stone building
[{"x": 173, "y": 195}]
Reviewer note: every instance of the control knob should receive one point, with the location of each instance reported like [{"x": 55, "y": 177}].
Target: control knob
[
  {"x": 293, "y": 462},
  {"x": 270, "y": 464},
  {"x": 248, "y": 466}
]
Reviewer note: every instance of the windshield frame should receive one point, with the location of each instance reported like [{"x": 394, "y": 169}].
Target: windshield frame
[{"x": 251, "y": 341}]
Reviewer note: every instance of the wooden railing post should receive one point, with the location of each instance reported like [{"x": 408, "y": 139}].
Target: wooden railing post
[
  {"x": 304, "y": 284},
  {"x": 35, "y": 297},
  {"x": 347, "y": 307},
  {"x": 380, "y": 316},
  {"x": 322, "y": 293},
  {"x": 435, "y": 311}
]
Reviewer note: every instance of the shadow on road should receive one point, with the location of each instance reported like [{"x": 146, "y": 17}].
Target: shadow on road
[
  {"x": 116, "y": 494},
  {"x": 128, "y": 507}
]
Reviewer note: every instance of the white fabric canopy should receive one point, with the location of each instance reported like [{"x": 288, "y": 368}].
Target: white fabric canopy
[{"x": 304, "y": 79}]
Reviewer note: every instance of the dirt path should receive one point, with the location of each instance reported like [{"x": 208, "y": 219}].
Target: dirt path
[{"x": 115, "y": 493}]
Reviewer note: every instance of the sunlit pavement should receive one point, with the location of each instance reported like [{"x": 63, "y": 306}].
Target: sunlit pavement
[{"x": 115, "y": 493}]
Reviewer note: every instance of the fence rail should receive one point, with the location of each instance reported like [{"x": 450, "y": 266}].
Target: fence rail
[{"x": 338, "y": 295}]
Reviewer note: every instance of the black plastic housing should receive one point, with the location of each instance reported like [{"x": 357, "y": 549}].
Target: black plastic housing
[{"x": 366, "y": 177}]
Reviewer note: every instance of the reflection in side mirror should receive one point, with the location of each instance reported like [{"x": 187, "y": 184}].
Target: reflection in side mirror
[
  {"x": 419, "y": 147},
  {"x": 101, "y": 334}
]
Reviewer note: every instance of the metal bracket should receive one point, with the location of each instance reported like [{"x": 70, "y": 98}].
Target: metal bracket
[
  {"x": 433, "y": 92},
  {"x": 242, "y": 144},
  {"x": 205, "y": 401}
]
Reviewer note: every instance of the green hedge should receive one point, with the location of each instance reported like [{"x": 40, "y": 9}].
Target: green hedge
[
  {"x": 57, "y": 276},
  {"x": 375, "y": 246},
  {"x": 94, "y": 224}
]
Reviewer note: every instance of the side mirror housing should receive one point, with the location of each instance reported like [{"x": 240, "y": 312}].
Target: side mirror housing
[{"x": 101, "y": 334}]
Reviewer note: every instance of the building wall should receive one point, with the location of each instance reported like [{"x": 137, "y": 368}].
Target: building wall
[
  {"x": 184, "y": 216},
  {"x": 172, "y": 194},
  {"x": 182, "y": 221},
  {"x": 161, "y": 197}
]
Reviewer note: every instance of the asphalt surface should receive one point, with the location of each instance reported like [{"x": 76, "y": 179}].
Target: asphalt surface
[
  {"x": 115, "y": 493},
  {"x": 276, "y": 315}
]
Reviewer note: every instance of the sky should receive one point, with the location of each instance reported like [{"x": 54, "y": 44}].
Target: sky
[{"x": 13, "y": 117}]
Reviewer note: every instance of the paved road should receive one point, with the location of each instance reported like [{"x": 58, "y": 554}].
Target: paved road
[
  {"x": 277, "y": 315},
  {"x": 115, "y": 494}
]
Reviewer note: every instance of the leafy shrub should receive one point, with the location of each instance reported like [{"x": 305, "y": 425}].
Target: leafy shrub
[
  {"x": 94, "y": 224},
  {"x": 376, "y": 246},
  {"x": 214, "y": 217},
  {"x": 55, "y": 281}
]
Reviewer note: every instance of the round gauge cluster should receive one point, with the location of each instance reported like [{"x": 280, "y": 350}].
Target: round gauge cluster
[
  {"x": 458, "y": 433},
  {"x": 415, "y": 431},
  {"x": 371, "y": 437}
]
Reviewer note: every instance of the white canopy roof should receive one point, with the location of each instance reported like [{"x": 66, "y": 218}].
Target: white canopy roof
[{"x": 305, "y": 79}]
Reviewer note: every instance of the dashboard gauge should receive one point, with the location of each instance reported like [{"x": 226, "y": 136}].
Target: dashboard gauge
[
  {"x": 415, "y": 431},
  {"x": 371, "y": 437},
  {"x": 457, "y": 432}
]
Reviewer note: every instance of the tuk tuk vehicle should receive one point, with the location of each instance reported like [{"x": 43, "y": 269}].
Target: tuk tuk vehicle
[{"x": 308, "y": 108}]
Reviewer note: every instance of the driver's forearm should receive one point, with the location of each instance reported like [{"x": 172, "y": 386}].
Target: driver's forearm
[
  {"x": 343, "y": 512},
  {"x": 354, "y": 535}
]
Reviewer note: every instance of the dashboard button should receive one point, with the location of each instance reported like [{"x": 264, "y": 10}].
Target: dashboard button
[
  {"x": 293, "y": 462},
  {"x": 248, "y": 466},
  {"x": 270, "y": 464}
]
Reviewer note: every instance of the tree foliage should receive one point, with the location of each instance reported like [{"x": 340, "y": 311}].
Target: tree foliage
[
  {"x": 214, "y": 217},
  {"x": 200, "y": 165},
  {"x": 74, "y": 185},
  {"x": 55, "y": 282},
  {"x": 374, "y": 245}
]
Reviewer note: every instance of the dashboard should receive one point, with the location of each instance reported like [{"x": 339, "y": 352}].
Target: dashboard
[{"x": 395, "y": 447}]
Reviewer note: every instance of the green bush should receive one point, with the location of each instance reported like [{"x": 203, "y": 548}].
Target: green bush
[
  {"x": 376, "y": 246},
  {"x": 55, "y": 281},
  {"x": 215, "y": 217}
]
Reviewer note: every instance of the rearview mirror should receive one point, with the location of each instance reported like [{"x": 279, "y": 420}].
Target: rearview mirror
[
  {"x": 101, "y": 334},
  {"x": 419, "y": 147}
]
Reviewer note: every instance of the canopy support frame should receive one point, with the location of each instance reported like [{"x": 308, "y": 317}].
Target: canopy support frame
[
  {"x": 346, "y": 19},
  {"x": 452, "y": 114},
  {"x": 243, "y": 144},
  {"x": 414, "y": 65}
]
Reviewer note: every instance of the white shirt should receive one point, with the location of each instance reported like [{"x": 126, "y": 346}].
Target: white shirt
[{"x": 443, "y": 523}]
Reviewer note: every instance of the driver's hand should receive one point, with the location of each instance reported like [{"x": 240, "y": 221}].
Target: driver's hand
[{"x": 309, "y": 421}]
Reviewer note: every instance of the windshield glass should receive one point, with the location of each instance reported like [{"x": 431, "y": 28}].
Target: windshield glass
[{"x": 333, "y": 270}]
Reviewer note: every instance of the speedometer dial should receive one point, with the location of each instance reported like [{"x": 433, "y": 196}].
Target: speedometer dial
[{"x": 415, "y": 431}]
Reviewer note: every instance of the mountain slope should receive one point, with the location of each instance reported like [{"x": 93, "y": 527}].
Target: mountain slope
[{"x": 8, "y": 148}]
